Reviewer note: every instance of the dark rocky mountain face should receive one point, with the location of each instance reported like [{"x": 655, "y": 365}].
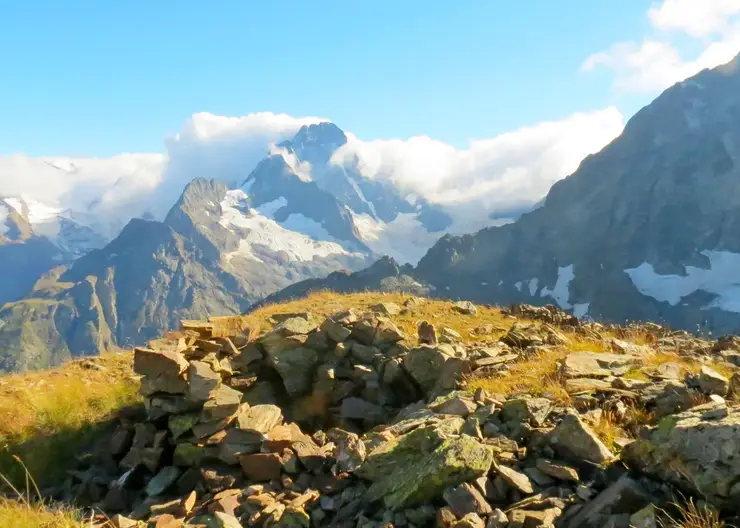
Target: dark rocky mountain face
[
  {"x": 28, "y": 251},
  {"x": 646, "y": 229}
]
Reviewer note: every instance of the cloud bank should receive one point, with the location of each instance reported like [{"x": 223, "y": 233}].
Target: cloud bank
[
  {"x": 490, "y": 176},
  {"x": 658, "y": 61},
  {"x": 494, "y": 176}
]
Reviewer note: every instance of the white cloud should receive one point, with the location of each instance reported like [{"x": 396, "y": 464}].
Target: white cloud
[
  {"x": 657, "y": 62},
  {"x": 697, "y": 18},
  {"x": 510, "y": 171},
  {"x": 110, "y": 191},
  {"x": 225, "y": 148}
]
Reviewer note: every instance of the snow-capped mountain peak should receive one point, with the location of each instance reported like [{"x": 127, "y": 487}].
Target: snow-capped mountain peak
[{"x": 336, "y": 199}]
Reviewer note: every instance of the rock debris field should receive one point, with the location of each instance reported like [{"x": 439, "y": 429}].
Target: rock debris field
[{"x": 345, "y": 421}]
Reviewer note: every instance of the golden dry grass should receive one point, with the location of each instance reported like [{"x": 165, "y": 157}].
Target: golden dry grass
[
  {"x": 18, "y": 514},
  {"x": 609, "y": 429},
  {"x": 690, "y": 515},
  {"x": 537, "y": 376},
  {"x": 440, "y": 313},
  {"x": 46, "y": 416}
]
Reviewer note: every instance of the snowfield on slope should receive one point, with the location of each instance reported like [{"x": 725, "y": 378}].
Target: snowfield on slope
[{"x": 259, "y": 230}]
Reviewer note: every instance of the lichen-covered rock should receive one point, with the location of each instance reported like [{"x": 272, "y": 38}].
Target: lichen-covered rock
[
  {"x": 296, "y": 367},
  {"x": 515, "y": 479},
  {"x": 419, "y": 466},
  {"x": 597, "y": 364},
  {"x": 155, "y": 363},
  {"x": 386, "y": 308},
  {"x": 162, "y": 480},
  {"x": 574, "y": 439},
  {"x": 533, "y": 411},
  {"x": 456, "y": 403},
  {"x": 712, "y": 382},
  {"x": 202, "y": 380},
  {"x": 624, "y": 495},
  {"x": 465, "y": 307},
  {"x": 336, "y": 332},
  {"x": 179, "y": 424},
  {"x": 465, "y": 499},
  {"x": 694, "y": 453},
  {"x": 259, "y": 419},
  {"x": 224, "y": 401},
  {"x": 632, "y": 349},
  {"x": 558, "y": 471},
  {"x": 350, "y": 450},
  {"x": 425, "y": 365}
]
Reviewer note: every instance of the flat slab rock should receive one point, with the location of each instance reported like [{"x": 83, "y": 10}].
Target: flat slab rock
[
  {"x": 421, "y": 465},
  {"x": 597, "y": 364}
]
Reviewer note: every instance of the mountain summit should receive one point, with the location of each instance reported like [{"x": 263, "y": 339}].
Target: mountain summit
[{"x": 303, "y": 185}]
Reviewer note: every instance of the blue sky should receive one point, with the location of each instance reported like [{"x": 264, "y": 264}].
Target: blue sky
[{"x": 90, "y": 78}]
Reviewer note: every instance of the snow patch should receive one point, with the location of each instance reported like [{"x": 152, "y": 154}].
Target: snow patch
[
  {"x": 258, "y": 230},
  {"x": 269, "y": 209},
  {"x": 722, "y": 278},
  {"x": 580, "y": 310},
  {"x": 533, "y": 283},
  {"x": 404, "y": 239},
  {"x": 307, "y": 226},
  {"x": 4, "y": 213},
  {"x": 359, "y": 192},
  {"x": 561, "y": 290},
  {"x": 518, "y": 285}
]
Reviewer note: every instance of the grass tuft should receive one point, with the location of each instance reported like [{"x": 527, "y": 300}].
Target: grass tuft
[
  {"x": 609, "y": 429},
  {"x": 692, "y": 516},
  {"x": 15, "y": 514},
  {"x": 537, "y": 375},
  {"x": 28, "y": 511}
]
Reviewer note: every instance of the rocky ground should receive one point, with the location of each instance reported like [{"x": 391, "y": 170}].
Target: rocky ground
[{"x": 347, "y": 420}]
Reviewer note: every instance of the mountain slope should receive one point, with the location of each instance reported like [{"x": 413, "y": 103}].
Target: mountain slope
[
  {"x": 649, "y": 228},
  {"x": 213, "y": 254},
  {"x": 35, "y": 238}
]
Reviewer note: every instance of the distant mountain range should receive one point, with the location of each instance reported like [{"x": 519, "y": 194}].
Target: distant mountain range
[{"x": 297, "y": 215}]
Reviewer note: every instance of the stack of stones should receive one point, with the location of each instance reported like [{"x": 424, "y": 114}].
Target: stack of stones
[
  {"x": 339, "y": 422},
  {"x": 268, "y": 428}
]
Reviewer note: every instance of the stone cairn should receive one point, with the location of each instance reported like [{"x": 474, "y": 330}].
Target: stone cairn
[{"x": 343, "y": 422}]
